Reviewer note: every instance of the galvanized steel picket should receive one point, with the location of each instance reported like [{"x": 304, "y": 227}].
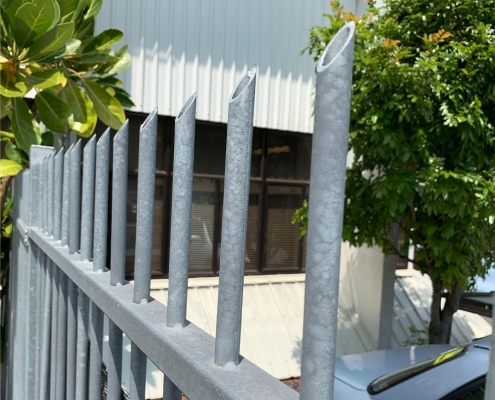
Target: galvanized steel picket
[{"x": 61, "y": 287}]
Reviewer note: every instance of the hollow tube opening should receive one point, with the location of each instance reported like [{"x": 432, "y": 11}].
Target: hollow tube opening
[
  {"x": 149, "y": 118},
  {"x": 243, "y": 84},
  {"x": 186, "y": 106},
  {"x": 337, "y": 45}
]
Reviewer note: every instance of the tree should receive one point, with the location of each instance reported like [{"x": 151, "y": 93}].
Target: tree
[
  {"x": 49, "y": 53},
  {"x": 56, "y": 77},
  {"x": 423, "y": 139}
]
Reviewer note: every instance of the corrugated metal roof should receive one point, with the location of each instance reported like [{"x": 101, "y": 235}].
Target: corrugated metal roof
[
  {"x": 182, "y": 46},
  {"x": 272, "y": 317},
  {"x": 412, "y": 308}
]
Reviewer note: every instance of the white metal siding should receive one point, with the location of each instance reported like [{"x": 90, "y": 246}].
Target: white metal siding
[{"x": 182, "y": 46}]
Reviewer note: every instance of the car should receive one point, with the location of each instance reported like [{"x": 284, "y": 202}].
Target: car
[{"x": 428, "y": 372}]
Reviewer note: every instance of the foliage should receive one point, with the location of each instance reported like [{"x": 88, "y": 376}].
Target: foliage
[
  {"x": 301, "y": 217},
  {"x": 417, "y": 337},
  {"x": 422, "y": 134},
  {"x": 49, "y": 52}
]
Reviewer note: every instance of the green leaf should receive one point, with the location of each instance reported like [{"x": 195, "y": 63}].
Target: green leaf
[
  {"x": 54, "y": 112},
  {"x": 124, "y": 97},
  {"x": 100, "y": 58},
  {"x": 70, "y": 47},
  {"x": 13, "y": 153},
  {"x": 67, "y": 6},
  {"x": 4, "y": 103},
  {"x": 34, "y": 19},
  {"x": 12, "y": 85},
  {"x": 121, "y": 65},
  {"x": 74, "y": 97},
  {"x": 51, "y": 41},
  {"x": 85, "y": 119},
  {"x": 26, "y": 130},
  {"x": 103, "y": 41},
  {"x": 45, "y": 79},
  {"x": 47, "y": 138},
  {"x": 110, "y": 81},
  {"x": 9, "y": 168},
  {"x": 108, "y": 108},
  {"x": 94, "y": 7}
]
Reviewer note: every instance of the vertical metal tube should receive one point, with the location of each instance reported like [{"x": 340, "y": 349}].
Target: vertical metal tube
[
  {"x": 75, "y": 198},
  {"x": 137, "y": 384},
  {"x": 170, "y": 391},
  {"x": 71, "y": 339},
  {"x": 119, "y": 205},
  {"x": 180, "y": 226},
  {"x": 96, "y": 350},
  {"x": 101, "y": 202},
  {"x": 36, "y": 194},
  {"x": 82, "y": 346},
  {"x": 144, "y": 240},
  {"x": 44, "y": 194},
  {"x": 54, "y": 330},
  {"x": 45, "y": 332},
  {"x": 64, "y": 232},
  {"x": 51, "y": 188},
  {"x": 114, "y": 365},
  {"x": 57, "y": 194},
  {"x": 328, "y": 171},
  {"x": 117, "y": 262},
  {"x": 23, "y": 266},
  {"x": 88, "y": 198},
  {"x": 235, "y": 209},
  {"x": 145, "y": 208},
  {"x": 62, "y": 337}
]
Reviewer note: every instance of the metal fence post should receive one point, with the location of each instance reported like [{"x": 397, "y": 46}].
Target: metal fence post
[
  {"x": 235, "y": 209},
  {"x": 328, "y": 171},
  {"x": 99, "y": 259},
  {"x": 144, "y": 240},
  {"x": 180, "y": 226},
  {"x": 117, "y": 262}
]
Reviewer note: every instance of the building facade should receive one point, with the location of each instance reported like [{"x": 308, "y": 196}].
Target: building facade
[{"x": 206, "y": 46}]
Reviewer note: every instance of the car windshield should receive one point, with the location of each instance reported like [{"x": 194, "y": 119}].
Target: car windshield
[{"x": 386, "y": 381}]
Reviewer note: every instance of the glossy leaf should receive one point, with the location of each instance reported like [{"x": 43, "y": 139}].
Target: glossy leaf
[
  {"x": 51, "y": 41},
  {"x": 9, "y": 168},
  {"x": 124, "y": 97},
  {"x": 108, "y": 108},
  {"x": 13, "y": 153},
  {"x": 34, "y": 19},
  {"x": 4, "y": 104},
  {"x": 26, "y": 130},
  {"x": 47, "y": 138},
  {"x": 103, "y": 40},
  {"x": 45, "y": 79},
  {"x": 94, "y": 7},
  {"x": 68, "y": 6},
  {"x": 54, "y": 112},
  {"x": 12, "y": 85},
  {"x": 70, "y": 47},
  {"x": 84, "y": 115}
]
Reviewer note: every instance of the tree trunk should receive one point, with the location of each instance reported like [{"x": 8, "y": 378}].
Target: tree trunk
[{"x": 441, "y": 318}]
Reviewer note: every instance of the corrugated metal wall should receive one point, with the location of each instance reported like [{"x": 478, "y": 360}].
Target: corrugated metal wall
[{"x": 182, "y": 46}]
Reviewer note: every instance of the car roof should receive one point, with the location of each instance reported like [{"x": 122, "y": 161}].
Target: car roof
[{"x": 352, "y": 380}]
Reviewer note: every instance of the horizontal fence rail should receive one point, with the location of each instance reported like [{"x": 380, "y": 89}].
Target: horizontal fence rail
[{"x": 62, "y": 289}]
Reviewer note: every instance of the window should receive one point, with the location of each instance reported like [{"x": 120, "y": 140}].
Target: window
[{"x": 280, "y": 167}]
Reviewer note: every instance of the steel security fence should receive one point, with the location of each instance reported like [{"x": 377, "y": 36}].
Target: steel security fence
[{"x": 61, "y": 288}]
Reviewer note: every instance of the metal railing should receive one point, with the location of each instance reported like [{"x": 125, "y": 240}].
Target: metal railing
[{"x": 61, "y": 288}]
